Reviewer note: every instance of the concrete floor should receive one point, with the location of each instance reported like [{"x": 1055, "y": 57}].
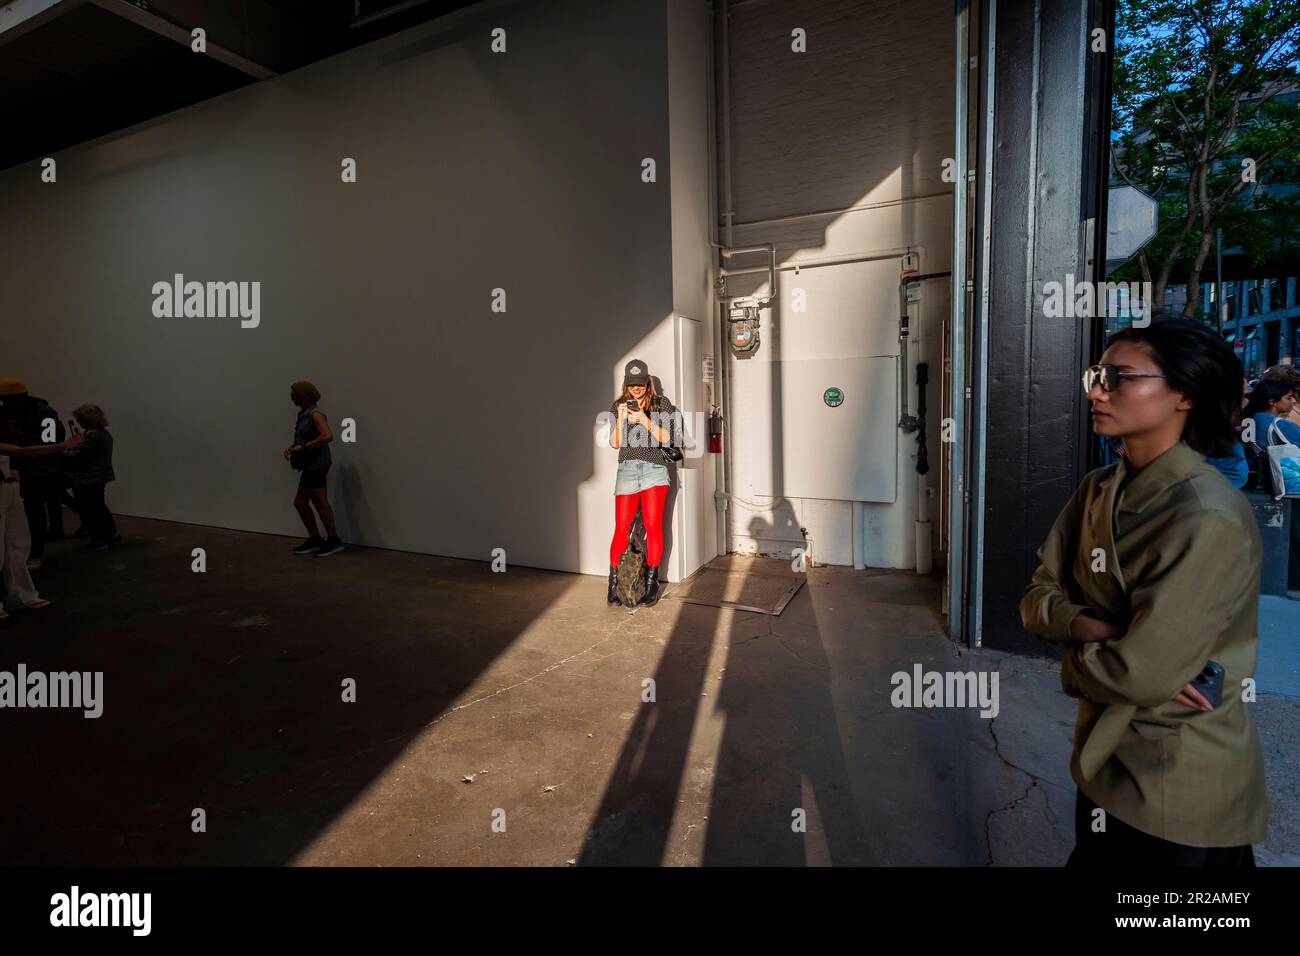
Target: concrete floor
[{"x": 499, "y": 721}]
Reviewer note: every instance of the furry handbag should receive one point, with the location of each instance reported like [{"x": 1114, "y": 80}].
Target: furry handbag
[{"x": 631, "y": 567}]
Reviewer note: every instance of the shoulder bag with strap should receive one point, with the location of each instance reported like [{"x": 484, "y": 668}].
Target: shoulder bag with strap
[
  {"x": 1283, "y": 464},
  {"x": 670, "y": 452}
]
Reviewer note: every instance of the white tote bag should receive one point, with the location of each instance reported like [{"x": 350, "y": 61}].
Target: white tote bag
[{"x": 1283, "y": 464}]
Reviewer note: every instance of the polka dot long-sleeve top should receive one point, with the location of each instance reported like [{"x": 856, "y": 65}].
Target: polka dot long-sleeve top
[{"x": 637, "y": 442}]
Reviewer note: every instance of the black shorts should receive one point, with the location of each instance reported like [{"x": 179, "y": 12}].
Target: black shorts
[{"x": 312, "y": 478}]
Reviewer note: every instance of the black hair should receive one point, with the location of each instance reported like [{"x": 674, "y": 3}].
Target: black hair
[
  {"x": 1268, "y": 390},
  {"x": 1196, "y": 361}
]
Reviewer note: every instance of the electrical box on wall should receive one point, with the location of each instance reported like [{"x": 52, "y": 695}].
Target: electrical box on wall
[{"x": 742, "y": 314}]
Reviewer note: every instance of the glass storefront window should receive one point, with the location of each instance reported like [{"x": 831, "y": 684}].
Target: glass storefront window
[
  {"x": 1252, "y": 358},
  {"x": 1276, "y": 293}
]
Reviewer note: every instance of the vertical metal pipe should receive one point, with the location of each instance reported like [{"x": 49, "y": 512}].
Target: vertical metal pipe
[
  {"x": 726, "y": 123},
  {"x": 956, "y": 481},
  {"x": 975, "y": 605},
  {"x": 719, "y": 345},
  {"x": 724, "y": 356}
]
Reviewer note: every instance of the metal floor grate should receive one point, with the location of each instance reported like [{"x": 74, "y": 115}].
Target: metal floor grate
[{"x": 752, "y": 589}]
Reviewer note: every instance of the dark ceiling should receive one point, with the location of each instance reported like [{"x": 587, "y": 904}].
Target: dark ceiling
[{"x": 74, "y": 70}]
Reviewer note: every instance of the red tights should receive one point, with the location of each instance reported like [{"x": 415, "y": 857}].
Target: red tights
[{"x": 652, "y": 513}]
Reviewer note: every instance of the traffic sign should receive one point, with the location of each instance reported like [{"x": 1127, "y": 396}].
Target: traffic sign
[{"x": 1131, "y": 221}]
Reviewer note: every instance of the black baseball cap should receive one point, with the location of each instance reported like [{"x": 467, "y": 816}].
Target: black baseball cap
[{"x": 636, "y": 373}]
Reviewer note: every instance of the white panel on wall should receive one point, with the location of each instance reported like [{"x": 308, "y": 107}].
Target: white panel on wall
[
  {"x": 832, "y": 326},
  {"x": 847, "y": 453},
  {"x": 849, "y": 309}
]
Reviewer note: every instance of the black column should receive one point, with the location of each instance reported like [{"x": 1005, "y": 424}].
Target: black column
[{"x": 1050, "y": 120}]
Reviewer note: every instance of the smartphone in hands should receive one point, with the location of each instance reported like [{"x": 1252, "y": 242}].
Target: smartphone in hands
[{"x": 1210, "y": 682}]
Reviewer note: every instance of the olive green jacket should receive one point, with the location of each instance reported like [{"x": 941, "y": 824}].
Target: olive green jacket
[{"x": 1172, "y": 555}]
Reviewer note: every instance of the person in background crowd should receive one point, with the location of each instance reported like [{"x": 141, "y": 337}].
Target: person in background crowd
[
  {"x": 310, "y": 455},
  {"x": 1179, "y": 779},
  {"x": 90, "y": 469},
  {"x": 1271, "y": 401},
  {"x": 15, "y": 540},
  {"x": 41, "y": 477},
  {"x": 1233, "y": 466},
  {"x": 1291, "y": 376},
  {"x": 1270, "y": 404}
]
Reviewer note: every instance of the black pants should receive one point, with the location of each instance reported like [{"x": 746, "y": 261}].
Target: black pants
[
  {"x": 42, "y": 501},
  {"x": 95, "y": 516},
  {"x": 1124, "y": 845}
]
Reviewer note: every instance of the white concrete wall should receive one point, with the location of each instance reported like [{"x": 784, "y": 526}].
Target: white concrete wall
[
  {"x": 476, "y": 171},
  {"x": 861, "y": 122}
]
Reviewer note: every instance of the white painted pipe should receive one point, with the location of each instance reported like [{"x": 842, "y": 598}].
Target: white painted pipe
[
  {"x": 924, "y": 556},
  {"x": 924, "y": 549},
  {"x": 858, "y": 523}
]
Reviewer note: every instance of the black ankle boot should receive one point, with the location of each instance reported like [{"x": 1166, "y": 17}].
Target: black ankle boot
[
  {"x": 651, "y": 586},
  {"x": 611, "y": 596}
]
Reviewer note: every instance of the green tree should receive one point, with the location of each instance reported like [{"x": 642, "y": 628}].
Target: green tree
[{"x": 1206, "y": 119}]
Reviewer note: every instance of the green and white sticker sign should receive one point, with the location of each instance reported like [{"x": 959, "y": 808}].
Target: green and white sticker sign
[{"x": 834, "y": 397}]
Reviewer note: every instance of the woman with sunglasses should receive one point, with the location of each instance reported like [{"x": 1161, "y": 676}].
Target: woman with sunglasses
[{"x": 1150, "y": 572}]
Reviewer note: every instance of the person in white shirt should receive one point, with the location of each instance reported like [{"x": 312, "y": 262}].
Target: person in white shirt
[{"x": 15, "y": 536}]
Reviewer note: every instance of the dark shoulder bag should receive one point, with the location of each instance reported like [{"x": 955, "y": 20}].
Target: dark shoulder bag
[{"x": 671, "y": 453}]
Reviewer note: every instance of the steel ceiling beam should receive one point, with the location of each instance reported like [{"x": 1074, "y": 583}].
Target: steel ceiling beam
[{"x": 166, "y": 28}]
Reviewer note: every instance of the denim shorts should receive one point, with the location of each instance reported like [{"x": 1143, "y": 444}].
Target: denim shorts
[{"x": 636, "y": 476}]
